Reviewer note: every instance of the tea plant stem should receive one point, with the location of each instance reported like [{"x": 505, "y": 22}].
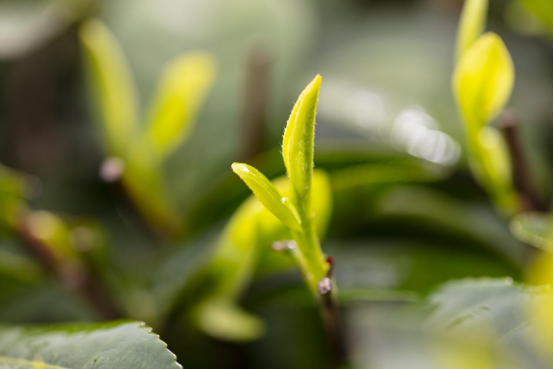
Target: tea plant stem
[
  {"x": 112, "y": 172},
  {"x": 330, "y": 315},
  {"x": 529, "y": 200},
  {"x": 255, "y": 101},
  {"x": 317, "y": 272},
  {"x": 309, "y": 258}
]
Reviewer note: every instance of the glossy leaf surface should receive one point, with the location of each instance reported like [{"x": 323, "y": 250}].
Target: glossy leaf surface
[
  {"x": 117, "y": 345},
  {"x": 268, "y": 195}
]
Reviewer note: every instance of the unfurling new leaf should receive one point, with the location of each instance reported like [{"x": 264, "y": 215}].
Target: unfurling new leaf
[
  {"x": 482, "y": 84},
  {"x": 268, "y": 195},
  {"x": 471, "y": 26},
  {"x": 243, "y": 245},
  {"x": 112, "y": 85},
  {"x": 298, "y": 155},
  {"x": 182, "y": 89},
  {"x": 483, "y": 80},
  {"x": 298, "y": 141}
]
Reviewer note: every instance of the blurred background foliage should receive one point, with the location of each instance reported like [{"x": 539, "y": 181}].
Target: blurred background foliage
[{"x": 412, "y": 233}]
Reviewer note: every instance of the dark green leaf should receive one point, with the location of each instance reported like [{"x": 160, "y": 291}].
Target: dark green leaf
[{"x": 117, "y": 345}]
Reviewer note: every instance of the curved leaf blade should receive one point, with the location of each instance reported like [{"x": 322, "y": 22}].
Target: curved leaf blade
[
  {"x": 268, "y": 195},
  {"x": 111, "y": 84},
  {"x": 322, "y": 208},
  {"x": 298, "y": 140},
  {"x": 121, "y": 345},
  {"x": 183, "y": 87},
  {"x": 483, "y": 81},
  {"x": 472, "y": 24},
  {"x": 223, "y": 319},
  {"x": 243, "y": 245}
]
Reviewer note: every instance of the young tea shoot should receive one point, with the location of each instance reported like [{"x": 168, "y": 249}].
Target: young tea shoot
[
  {"x": 243, "y": 244},
  {"x": 137, "y": 152},
  {"x": 296, "y": 210},
  {"x": 482, "y": 84}
]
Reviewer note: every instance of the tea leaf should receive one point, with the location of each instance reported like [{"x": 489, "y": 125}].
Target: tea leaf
[
  {"x": 469, "y": 307},
  {"x": 223, "y": 319},
  {"x": 235, "y": 254},
  {"x": 533, "y": 228},
  {"x": 490, "y": 161},
  {"x": 271, "y": 229},
  {"x": 112, "y": 345},
  {"x": 53, "y": 232},
  {"x": 13, "y": 188},
  {"x": 472, "y": 25},
  {"x": 322, "y": 208},
  {"x": 298, "y": 154},
  {"x": 483, "y": 81},
  {"x": 252, "y": 230},
  {"x": 380, "y": 174},
  {"x": 111, "y": 84},
  {"x": 183, "y": 87},
  {"x": 268, "y": 195},
  {"x": 298, "y": 141}
]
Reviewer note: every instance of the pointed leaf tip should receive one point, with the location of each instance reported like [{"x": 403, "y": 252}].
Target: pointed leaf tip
[
  {"x": 268, "y": 195},
  {"x": 298, "y": 140},
  {"x": 471, "y": 25},
  {"x": 111, "y": 84},
  {"x": 483, "y": 80},
  {"x": 182, "y": 89}
]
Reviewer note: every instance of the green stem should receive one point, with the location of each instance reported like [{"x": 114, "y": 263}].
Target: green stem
[
  {"x": 502, "y": 193},
  {"x": 315, "y": 269},
  {"x": 309, "y": 258}
]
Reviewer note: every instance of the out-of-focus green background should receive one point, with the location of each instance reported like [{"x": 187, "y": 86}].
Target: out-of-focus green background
[{"x": 385, "y": 101}]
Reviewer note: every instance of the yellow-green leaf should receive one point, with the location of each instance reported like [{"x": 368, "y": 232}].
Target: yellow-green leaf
[
  {"x": 322, "y": 208},
  {"x": 50, "y": 230},
  {"x": 183, "y": 87},
  {"x": 249, "y": 235},
  {"x": 483, "y": 81},
  {"x": 271, "y": 229},
  {"x": 268, "y": 195},
  {"x": 491, "y": 164},
  {"x": 298, "y": 141},
  {"x": 111, "y": 84},
  {"x": 471, "y": 25},
  {"x": 223, "y": 319}
]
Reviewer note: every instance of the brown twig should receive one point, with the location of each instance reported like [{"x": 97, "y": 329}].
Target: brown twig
[
  {"x": 529, "y": 200},
  {"x": 72, "y": 275},
  {"x": 255, "y": 101},
  {"x": 330, "y": 315}
]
